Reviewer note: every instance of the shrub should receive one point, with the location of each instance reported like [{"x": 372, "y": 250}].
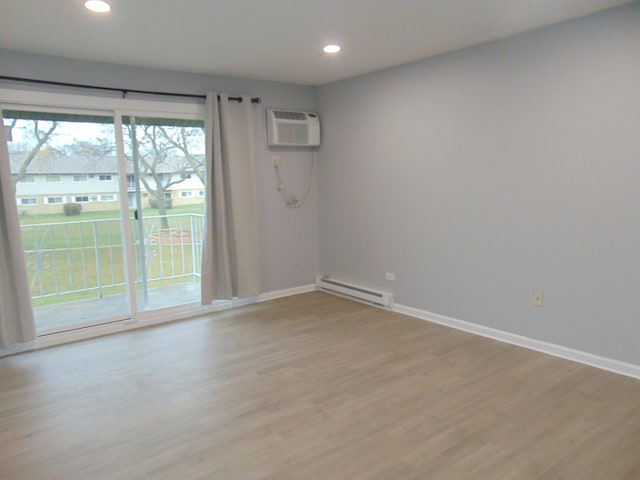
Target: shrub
[
  {"x": 72, "y": 209},
  {"x": 153, "y": 202}
]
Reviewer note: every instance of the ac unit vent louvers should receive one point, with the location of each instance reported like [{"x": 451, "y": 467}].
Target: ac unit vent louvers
[
  {"x": 294, "y": 135},
  {"x": 290, "y": 115}
]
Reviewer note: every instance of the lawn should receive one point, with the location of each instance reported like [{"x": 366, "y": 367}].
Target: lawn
[{"x": 106, "y": 215}]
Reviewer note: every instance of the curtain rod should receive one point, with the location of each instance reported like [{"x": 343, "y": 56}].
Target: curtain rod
[{"x": 121, "y": 90}]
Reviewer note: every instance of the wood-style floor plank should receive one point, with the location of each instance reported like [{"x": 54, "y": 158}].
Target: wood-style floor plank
[{"x": 312, "y": 387}]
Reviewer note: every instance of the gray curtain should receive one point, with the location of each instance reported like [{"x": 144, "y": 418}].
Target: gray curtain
[
  {"x": 231, "y": 255},
  {"x": 16, "y": 315}
]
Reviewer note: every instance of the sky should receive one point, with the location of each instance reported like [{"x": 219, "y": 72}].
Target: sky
[{"x": 67, "y": 133}]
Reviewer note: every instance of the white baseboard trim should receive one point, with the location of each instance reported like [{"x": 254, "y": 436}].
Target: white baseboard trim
[
  {"x": 149, "y": 319},
  {"x": 603, "y": 363},
  {"x": 263, "y": 297}
]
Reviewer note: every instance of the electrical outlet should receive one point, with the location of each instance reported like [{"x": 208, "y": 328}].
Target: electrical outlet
[
  {"x": 276, "y": 161},
  {"x": 390, "y": 276},
  {"x": 538, "y": 298}
]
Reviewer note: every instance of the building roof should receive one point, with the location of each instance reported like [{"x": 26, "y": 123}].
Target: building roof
[{"x": 51, "y": 164}]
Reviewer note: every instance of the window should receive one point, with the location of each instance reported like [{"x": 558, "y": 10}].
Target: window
[
  {"x": 184, "y": 176},
  {"x": 186, "y": 194},
  {"x": 28, "y": 179},
  {"x": 87, "y": 141},
  {"x": 201, "y": 193}
]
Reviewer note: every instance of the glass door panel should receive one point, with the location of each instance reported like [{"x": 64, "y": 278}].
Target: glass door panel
[
  {"x": 66, "y": 178},
  {"x": 166, "y": 182}
]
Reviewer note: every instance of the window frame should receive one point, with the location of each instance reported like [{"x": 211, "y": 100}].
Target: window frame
[
  {"x": 102, "y": 195},
  {"x": 117, "y": 107}
]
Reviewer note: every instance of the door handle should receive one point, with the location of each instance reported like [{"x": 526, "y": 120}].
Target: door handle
[{"x": 135, "y": 214}]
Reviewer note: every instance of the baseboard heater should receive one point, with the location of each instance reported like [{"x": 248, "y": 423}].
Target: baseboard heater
[{"x": 354, "y": 292}]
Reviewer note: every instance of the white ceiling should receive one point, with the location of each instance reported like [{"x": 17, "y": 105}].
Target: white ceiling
[{"x": 278, "y": 40}]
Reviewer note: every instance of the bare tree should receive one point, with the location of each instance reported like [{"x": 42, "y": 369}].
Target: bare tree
[
  {"x": 41, "y": 139},
  {"x": 182, "y": 140},
  {"x": 159, "y": 167},
  {"x": 98, "y": 148}
]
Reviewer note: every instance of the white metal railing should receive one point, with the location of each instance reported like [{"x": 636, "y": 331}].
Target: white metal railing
[{"x": 88, "y": 255}]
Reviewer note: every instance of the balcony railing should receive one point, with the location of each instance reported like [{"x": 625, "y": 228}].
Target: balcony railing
[{"x": 85, "y": 258}]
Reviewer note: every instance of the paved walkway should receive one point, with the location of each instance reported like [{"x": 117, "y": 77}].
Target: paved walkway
[{"x": 70, "y": 313}]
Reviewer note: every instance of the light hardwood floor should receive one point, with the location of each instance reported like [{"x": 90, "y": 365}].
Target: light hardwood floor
[{"x": 312, "y": 387}]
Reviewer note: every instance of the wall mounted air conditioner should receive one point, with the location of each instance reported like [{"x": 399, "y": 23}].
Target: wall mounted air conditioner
[{"x": 286, "y": 128}]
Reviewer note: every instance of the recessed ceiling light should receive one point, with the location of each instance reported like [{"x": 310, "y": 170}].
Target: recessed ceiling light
[
  {"x": 99, "y": 6},
  {"x": 331, "y": 48}
]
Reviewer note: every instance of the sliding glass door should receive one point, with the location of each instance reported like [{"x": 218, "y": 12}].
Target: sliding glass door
[
  {"x": 166, "y": 169},
  {"x": 65, "y": 173},
  {"x": 111, "y": 217}
]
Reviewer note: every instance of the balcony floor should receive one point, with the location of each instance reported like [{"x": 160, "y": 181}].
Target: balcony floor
[{"x": 82, "y": 311}]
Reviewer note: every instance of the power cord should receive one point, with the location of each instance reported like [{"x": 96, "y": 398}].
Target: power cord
[{"x": 290, "y": 199}]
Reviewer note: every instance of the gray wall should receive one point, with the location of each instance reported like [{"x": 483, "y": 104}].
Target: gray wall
[
  {"x": 289, "y": 237},
  {"x": 480, "y": 176}
]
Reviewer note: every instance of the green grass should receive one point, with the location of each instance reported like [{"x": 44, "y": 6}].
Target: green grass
[
  {"x": 107, "y": 214},
  {"x": 61, "y": 256}
]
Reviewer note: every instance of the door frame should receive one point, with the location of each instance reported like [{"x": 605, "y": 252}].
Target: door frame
[{"x": 115, "y": 107}]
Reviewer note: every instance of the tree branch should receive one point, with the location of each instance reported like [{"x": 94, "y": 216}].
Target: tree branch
[{"x": 42, "y": 138}]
